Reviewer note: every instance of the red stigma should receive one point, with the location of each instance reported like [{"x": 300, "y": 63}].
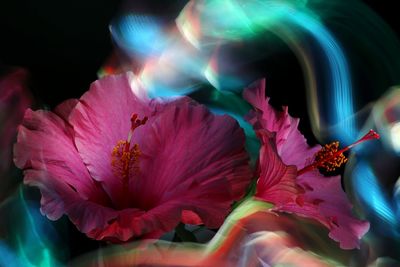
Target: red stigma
[{"x": 135, "y": 123}]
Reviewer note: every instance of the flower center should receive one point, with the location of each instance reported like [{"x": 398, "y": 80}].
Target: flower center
[
  {"x": 329, "y": 157},
  {"x": 124, "y": 157}
]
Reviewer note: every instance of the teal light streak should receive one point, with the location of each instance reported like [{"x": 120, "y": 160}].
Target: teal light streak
[
  {"x": 340, "y": 81},
  {"x": 29, "y": 235},
  {"x": 30, "y": 218},
  {"x": 364, "y": 180},
  {"x": 34, "y": 242}
]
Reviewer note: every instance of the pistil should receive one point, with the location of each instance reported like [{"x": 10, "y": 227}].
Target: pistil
[
  {"x": 124, "y": 157},
  {"x": 329, "y": 157}
]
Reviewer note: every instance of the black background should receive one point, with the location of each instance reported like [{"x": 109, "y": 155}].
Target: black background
[{"x": 63, "y": 44}]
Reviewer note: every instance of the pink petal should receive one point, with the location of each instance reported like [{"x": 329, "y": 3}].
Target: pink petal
[
  {"x": 291, "y": 144},
  {"x": 295, "y": 150},
  {"x": 335, "y": 208},
  {"x": 47, "y": 153},
  {"x": 277, "y": 182},
  {"x": 195, "y": 156},
  {"x": 265, "y": 116}
]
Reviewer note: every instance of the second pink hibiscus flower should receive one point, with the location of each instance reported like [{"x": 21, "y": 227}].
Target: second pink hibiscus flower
[{"x": 288, "y": 175}]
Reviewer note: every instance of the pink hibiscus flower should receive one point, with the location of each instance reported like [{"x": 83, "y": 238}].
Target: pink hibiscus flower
[
  {"x": 288, "y": 175},
  {"x": 122, "y": 166}
]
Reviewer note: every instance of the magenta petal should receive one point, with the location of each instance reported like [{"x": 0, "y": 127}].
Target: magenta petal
[
  {"x": 296, "y": 151},
  {"x": 55, "y": 193},
  {"x": 291, "y": 144},
  {"x": 43, "y": 147},
  {"x": 277, "y": 182},
  {"x": 265, "y": 116},
  {"x": 192, "y": 155},
  {"x": 335, "y": 208}
]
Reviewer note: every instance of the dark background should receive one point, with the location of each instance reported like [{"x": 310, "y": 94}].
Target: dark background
[{"x": 63, "y": 44}]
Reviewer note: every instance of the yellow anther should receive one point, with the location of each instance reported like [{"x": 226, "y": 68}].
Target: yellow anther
[
  {"x": 328, "y": 158},
  {"x": 125, "y": 162}
]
